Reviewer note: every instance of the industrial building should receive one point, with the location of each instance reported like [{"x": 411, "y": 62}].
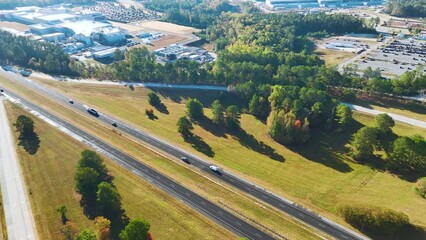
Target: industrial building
[
  {"x": 58, "y": 23},
  {"x": 180, "y": 52},
  {"x": 105, "y": 54}
]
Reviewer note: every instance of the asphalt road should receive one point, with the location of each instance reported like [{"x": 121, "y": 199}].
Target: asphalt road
[
  {"x": 211, "y": 210},
  {"x": 17, "y": 211},
  {"x": 396, "y": 117},
  {"x": 325, "y": 225}
]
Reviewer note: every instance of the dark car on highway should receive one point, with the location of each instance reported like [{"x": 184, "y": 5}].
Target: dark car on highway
[
  {"x": 185, "y": 159},
  {"x": 93, "y": 112}
]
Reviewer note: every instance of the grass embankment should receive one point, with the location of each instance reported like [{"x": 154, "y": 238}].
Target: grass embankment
[
  {"x": 319, "y": 174},
  {"x": 3, "y": 228},
  {"x": 49, "y": 175},
  {"x": 189, "y": 177}
]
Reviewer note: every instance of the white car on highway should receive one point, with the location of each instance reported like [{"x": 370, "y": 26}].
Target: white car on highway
[{"x": 214, "y": 168}]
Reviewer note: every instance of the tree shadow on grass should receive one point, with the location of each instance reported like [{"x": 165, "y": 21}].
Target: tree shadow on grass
[
  {"x": 198, "y": 144},
  {"x": 328, "y": 147},
  {"x": 250, "y": 142},
  {"x": 407, "y": 232},
  {"x": 30, "y": 142},
  {"x": 89, "y": 208},
  {"x": 208, "y": 125},
  {"x": 162, "y": 108},
  {"x": 206, "y": 97}
]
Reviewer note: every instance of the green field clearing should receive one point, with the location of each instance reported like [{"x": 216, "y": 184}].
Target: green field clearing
[
  {"x": 250, "y": 208},
  {"x": 319, "y": 174},
  {"x": 49, "y": 175}
]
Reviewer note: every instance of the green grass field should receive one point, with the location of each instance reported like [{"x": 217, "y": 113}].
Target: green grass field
[
  {"x": 49, "y": 175},
  {"x": 318, "y": 175}
]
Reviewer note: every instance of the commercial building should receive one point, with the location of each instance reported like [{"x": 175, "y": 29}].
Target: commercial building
[
  {"x": 53, "y": 37},
  {"x": 180, "y": 52},
  {"x": 110, "y": 35},
  {"x": 282, "y": 4},
  {"x": 105, "y": 54}
]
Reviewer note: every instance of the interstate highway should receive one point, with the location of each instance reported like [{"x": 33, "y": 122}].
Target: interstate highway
[
  {"x": 333, "y": 229},
  {"x": 202, "y": 205}
]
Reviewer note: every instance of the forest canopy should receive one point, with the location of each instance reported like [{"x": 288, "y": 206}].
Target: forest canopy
[{"x": 406, "y": 8}]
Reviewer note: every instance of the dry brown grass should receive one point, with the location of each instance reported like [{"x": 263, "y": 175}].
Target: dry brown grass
[
  {"x": 168, "y": 27},
  {"x": 334, "y": 57},
  {"x": 14, "y": 25}
]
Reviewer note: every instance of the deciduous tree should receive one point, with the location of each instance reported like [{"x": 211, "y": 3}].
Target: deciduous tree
[
  {"x": 217, "y": 111},
  {"x": 108, "y": 199},
  {"x": 384, "y": 123},
  {"x": 136, "y": 230},
  {"x": 194, "y": 109},
  {"x": 363, "y": 143},
  {"x": 184, "y": 126}
]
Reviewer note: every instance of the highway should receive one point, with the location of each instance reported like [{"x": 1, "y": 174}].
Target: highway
[
  {"x": 304, "y": 215},
  {"x": 202, "y": 205}
]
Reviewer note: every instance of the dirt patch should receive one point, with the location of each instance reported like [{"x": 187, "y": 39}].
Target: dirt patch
[
  {"x": 129, "y": 27},
  {"x": 162, "y": 42},
  {"x": 14, "y": 25},
  {"x": 168, "y": 27}
]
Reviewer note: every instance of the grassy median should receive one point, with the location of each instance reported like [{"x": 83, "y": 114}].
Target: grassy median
[
  {"x": 49, "y": 175},
  {"x": 319, "y": 174}
]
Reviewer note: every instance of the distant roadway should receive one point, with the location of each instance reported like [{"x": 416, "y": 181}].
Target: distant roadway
[
  {"x": 304, "y": 215},
  {"x": 18, "y": 215}
]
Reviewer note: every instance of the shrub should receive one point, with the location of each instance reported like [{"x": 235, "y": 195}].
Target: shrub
[
  {"x": 420, "y": 187},
  {"x": 374, "y": 220}
]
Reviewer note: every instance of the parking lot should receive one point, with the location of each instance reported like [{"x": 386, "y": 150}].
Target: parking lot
[{"x": 396, "y": 58}]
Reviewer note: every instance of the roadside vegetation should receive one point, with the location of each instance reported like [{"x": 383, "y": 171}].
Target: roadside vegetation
[
  {"x": 49, "y": 175},
  {"x": 3, "y": 230},
  {"x": 319, "y": 174}
]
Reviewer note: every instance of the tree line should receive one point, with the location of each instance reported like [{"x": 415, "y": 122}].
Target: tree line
[
  {"x": 404, "y": 155},
  {"x": 195, "y": 13},
  {"x": 101, "y": 198},
  {"x": 409, "y": 83},
  {"x": 42, "y": 56},
  {"x": 406, "y": 8}
]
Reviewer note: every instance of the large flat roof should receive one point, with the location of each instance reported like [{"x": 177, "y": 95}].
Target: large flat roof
[
  {"x": 84, "y": 27},
  {"x": 59, "y": 16}
]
